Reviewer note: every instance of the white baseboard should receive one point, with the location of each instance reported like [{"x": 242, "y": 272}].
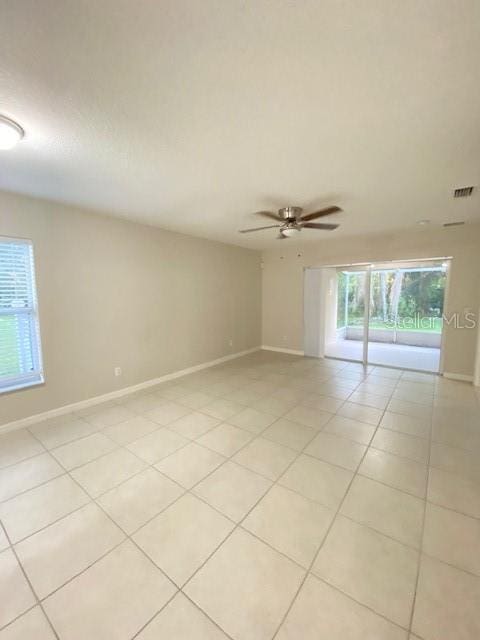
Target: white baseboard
[
  {"x": 83, "y": 404},
  {"x": 457, "y": 376},
  {"x": 292, "y": 352}
]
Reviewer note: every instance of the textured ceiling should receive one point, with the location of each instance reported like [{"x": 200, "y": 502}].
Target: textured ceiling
[{"x": 190, "y": 114}]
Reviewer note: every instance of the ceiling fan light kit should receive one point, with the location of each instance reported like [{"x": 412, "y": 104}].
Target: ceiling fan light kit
[
  {"x": 10, "y": 133},
  {"x": 289, "y": 231},
  {"x": 292, "y": 221}
]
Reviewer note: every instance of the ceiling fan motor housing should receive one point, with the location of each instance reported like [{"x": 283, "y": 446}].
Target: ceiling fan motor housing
[{"x": 290, "y": 213}]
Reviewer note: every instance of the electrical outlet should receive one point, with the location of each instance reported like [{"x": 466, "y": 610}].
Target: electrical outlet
[
  {"x": 230, "y": 343},
  {"x": 117, "y": 371}
]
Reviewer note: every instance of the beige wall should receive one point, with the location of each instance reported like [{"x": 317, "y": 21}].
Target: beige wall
[
  {"x": 283, "y": 281},
  {"x": 114, "y": 293}
]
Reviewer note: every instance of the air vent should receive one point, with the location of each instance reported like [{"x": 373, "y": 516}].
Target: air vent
[
  {"x": 453, "y": 224},
  {"x": 463, "y": 192}
]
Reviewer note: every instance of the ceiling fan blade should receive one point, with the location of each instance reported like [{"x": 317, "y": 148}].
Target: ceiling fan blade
[
  {"x": 272, "y": 226},
  {"x": 319, "y": 225},
  {"x": 323, "y": 212},
  {"x": 268, "y": 214}
]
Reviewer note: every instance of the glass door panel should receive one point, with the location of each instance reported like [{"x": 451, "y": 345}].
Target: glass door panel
[
  {"x": 346, "y": 340},
  {"x": 405, "y": 316}
]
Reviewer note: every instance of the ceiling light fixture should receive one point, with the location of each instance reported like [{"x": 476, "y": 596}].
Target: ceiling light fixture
[
  {"x": 423, "y": 222},
  {"x": 289, "y": 231},
  {"x": 10, "y": 133}
]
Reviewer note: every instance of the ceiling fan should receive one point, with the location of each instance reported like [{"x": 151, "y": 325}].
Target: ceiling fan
[{"x": 292, "y": 221}]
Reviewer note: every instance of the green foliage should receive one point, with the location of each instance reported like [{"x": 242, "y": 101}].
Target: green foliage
[
  {"x": 9, "y": 362},
  {"x": 393, "y": 295}
]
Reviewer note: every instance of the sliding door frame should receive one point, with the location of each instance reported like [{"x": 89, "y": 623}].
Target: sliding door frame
[
  {"x": 368, "y": 268},
  {"x": 446, "y": 292},
  {"x": 366, "y": 313}
]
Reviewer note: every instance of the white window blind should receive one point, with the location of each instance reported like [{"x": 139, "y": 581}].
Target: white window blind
[{"x": 20, "y": 353}]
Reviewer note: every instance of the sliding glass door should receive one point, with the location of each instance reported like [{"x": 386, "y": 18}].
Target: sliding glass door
[{"x": 400, "y": 325}]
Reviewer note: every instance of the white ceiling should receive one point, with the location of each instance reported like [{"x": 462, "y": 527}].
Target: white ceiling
[{"x": 191, "y": 114}]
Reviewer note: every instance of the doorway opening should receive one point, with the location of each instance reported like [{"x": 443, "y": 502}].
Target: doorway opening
[{"x": 388, "y": 314}]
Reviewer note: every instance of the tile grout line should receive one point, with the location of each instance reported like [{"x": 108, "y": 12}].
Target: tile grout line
[
  {"x": 40, "y": 484},
  {"x": 422, "y": 535},
  {"x": 20, "y": 615},
  {"x": 128, "y": 536},
  {"x": 314, "y": 576},
  {"x": 93, "y": 501},
  {"x": 147, "y": 465},
  {"x": 259, "y": 434},
  {"x": 238, "y": 524},
  {"x": 160, "y": 427},
  {"x": 124, "y": 446},
  {"x": 235, "y": 527},
  {"x": 34, "y": 593},
  {"x": 419, "y": 552},
  {"x": 101, "y": 429},
  {"x": 322, "y": 542},
  {"x": 254, "y": 436},
  {"x": 117, "y": 448}
]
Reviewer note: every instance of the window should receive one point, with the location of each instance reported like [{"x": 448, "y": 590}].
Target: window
[{"x": 20, "y": 353}]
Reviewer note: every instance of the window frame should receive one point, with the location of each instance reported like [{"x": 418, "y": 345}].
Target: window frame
[{"x": 36, "y": 377}]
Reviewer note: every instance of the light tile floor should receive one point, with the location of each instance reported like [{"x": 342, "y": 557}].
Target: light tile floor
[{"x": 274, "y": 496}]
